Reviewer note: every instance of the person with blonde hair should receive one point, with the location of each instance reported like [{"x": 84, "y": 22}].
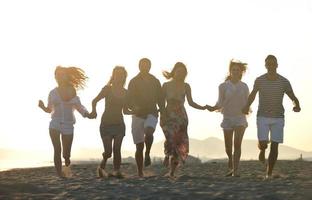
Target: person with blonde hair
[
  {"x": 61, "y": 103},
  {"x": 112, "y": 126},
  {"x": 233, "y": 95}
]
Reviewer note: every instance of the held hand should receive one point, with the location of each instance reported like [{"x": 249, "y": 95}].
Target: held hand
[
  {"x": 92, "y": 115},
  {"x": 41, "y": 104},
  {"x": 296, "y": 109},
  {"x": 210, "y": 108},
  {"x": 245, "y": 110}
]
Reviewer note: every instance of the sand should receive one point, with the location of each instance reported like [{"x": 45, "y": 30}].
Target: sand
[{"x": 194, "y": 181}]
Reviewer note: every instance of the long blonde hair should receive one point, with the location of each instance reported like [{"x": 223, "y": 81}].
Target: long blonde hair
[
  {"x": 76, "y": 77},
  {"x": 115, "y": 70},
  {"x": 240, "y": 64}
]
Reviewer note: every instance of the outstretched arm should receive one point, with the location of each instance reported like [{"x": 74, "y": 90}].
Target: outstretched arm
[
  {"x": 43, "y": 107},
  {"x": 100, "y": 96},
  {"x": 190, "y": 99},
  {"x": 292, "y": 96},
  {"x": 81, "y": 109},
  {"x": 220, "y": 101}
]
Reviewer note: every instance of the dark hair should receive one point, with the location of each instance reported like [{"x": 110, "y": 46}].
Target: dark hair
[
  {"x": 242, "y": 66},
  {"x": 169, "y": 75},
  {"x": 76, "y": 76},
  {"x": 270, "y": 58},
  {"x": 117, "y": 68},
  {"x": 146, "y": 60}
]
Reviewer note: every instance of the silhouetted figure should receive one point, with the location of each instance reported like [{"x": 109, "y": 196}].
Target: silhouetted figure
[
  {"x": 61, "y": 103},
  {"x": 174, "y": 120},
  {"x": 144, "y": 94},
  {"x": 112, "y": 126},
  {"x": 270, "y": 117},
  {"x": 233, "y": 95}
]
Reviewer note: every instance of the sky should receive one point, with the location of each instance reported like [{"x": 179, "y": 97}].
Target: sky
[{"x": 36, "y": 36}]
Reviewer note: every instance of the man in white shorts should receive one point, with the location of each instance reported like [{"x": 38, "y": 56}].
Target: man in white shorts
[
  {"x": 144, "y": 93},
  {"x": 270, "y": 117}
]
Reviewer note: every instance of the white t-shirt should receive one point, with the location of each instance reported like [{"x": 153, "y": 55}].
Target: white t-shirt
[
  {"x": 63, "y": 111},
  {"x": 232, "y": 98}
]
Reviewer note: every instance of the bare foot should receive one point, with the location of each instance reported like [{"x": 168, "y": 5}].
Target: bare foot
[
  {"x": 101, "y": 173},
  {"x": 235, "y": 174},
  {"x": 61, "y": 175},
  {"x": 66, "y": 171},
  {"x": 170, "y": 175},
  {"x": 140, "y": 174},
  {"x": 147, "y": 160},
  {"x": 268, "y": 177},
  {"x": 118, "y": 175},
  {"x": 262, "y": 156},
  {"x": 230, "y": 173}
]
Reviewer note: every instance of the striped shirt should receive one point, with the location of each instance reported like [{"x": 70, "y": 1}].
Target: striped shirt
[{"x": 271, "y": 93}]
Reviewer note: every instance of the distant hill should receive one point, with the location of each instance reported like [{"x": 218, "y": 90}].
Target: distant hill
[{"x": 212, "y": 148}]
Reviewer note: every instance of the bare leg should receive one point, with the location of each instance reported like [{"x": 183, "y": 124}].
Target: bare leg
[
  {"x": 238, "y": 137},
  {"x": 149, "y": 138},
  {"x": 272, "y": 158},
  {"x": 139, "y": 158},
  {"x": 67, "y": 141},
  {"x": 117, "y": 154},
  {"x": 55, "y": 138},
  {"x": 173, "y": 165},
  {"x": 262, "y": 145},
  {"x": 228, "y": 141},
  {"x": 107, "y": 142}
]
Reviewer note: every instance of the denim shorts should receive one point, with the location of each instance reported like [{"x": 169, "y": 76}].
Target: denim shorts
[{"x": 112, "y": 129}]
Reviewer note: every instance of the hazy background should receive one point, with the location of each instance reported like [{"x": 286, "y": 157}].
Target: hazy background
[{"x": 38, "y": 35}]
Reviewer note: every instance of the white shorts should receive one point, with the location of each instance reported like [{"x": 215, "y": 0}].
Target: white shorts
[
  {"x": 138, "y": 126},
  {"x": 275, "y": 126},
  {"x": 230, "y": 123},
  {"x": 63, "y": 128}
]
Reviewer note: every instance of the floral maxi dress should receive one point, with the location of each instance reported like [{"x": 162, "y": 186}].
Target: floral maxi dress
[{"x": 175, "y": 130}]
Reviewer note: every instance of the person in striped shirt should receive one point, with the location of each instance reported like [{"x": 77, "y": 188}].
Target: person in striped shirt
[{"x": 270, "y": 116}]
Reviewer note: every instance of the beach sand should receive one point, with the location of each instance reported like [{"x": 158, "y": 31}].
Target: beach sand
[{"x": 194, "y": 181}]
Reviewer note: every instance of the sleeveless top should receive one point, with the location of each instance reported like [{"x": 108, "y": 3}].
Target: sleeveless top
[
  {"x": 113, "y": 108},
  {"x": 173, "y": 97}
]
